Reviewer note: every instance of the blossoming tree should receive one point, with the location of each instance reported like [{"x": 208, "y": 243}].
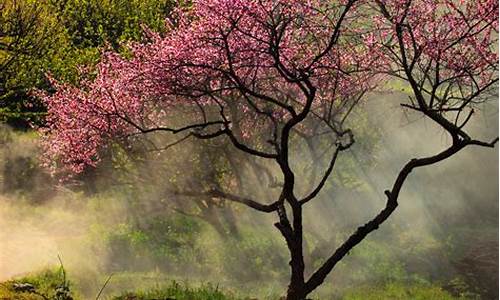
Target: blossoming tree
[{"x": 262, "y": 73}]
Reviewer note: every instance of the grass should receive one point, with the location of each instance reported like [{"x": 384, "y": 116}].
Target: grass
[
  {"x": 47, "y": 285},
  {"x": 399, "y": 291},
  {"x": 179, "y": 291}
]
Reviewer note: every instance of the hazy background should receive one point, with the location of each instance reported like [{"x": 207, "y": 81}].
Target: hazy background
[{"x": 122, "y": 220}]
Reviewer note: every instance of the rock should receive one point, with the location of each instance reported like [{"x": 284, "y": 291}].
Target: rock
[{"x": 23, "y": 287}]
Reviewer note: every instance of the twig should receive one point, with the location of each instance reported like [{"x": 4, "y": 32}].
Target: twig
[{"x": 103, "y": 287}]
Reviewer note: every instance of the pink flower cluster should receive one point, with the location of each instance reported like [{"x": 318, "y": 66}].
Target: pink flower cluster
[
  {"x": 456, "y": 37},
  {"x": 247, "y": 56}
]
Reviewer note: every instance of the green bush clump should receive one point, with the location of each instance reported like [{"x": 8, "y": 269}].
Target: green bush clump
[
  {"x": 164, "y": 243},
  {"x": 50, "y": 284}
]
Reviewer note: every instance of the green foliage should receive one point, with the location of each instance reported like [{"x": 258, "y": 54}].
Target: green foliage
[
  {"x": 91, "y": 23},
  {"x": 166, "y": 243},
  {"x": 47, "y": 36},
  {"x": 29, "y": 31},
  {"x": 256, "y": 257}
]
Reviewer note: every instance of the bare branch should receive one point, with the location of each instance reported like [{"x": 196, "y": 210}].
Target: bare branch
[{"x": 267, "y": 208}]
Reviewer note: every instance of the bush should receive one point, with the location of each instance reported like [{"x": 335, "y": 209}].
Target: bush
[{"x": 167, "y": 243}]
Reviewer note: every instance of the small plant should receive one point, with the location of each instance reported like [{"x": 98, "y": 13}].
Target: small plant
[
  {"x": 62, "y": 291},
  {"x": 48, "y": 285}
]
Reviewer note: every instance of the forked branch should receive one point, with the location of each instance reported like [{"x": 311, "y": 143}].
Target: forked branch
[{"x": 392, "y": 202}]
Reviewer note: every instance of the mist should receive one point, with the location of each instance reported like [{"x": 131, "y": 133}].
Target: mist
[{"x": 98, "y": 223}]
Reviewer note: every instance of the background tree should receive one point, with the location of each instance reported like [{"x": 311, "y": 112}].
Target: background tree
[
  {"x": 37, "y": 37},
  {"x": 277, "y": 65},
  {"x": 27, "y": 30}
]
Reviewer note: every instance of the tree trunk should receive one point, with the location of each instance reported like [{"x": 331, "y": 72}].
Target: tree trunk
[
  {"x": 296, "y": 288},
  {"x": 296, "y": 293}
]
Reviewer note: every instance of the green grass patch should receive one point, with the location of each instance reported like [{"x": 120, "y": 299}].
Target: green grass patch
[
  {"x": 49, "y": 284},
  {"x": 179, "y": 291},
  {"x": 400, "y": 291}
]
